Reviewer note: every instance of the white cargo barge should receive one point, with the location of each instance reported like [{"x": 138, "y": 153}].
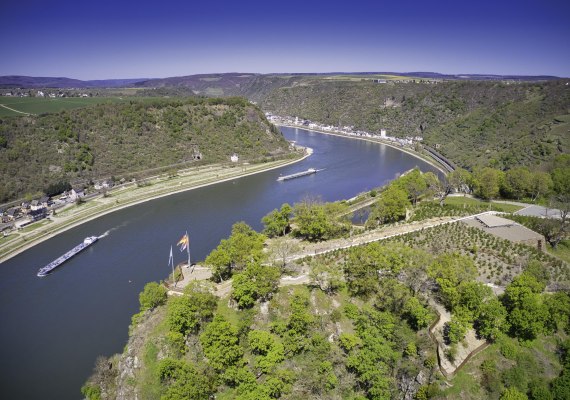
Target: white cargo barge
[
  {"x": 88, "y": 241},
  {"x": 310, "y": 171}
]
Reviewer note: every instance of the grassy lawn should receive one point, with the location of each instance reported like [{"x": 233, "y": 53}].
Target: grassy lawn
[
  {"x": 74, "y": 208},
  {"x": 4, "y": 239},
  {"x": 562, "y": 250},
  {"x": 469, "y": 201},
  {"x": 465, "y": 386},
  {"x": 227, "y": 312},
  {"x": 36, "y": 225}
]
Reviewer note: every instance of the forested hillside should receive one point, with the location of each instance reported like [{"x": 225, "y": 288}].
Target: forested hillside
[
  {"x": 253, "y": 86},
  {"x": 475, "y": 123},
  {"x": 392, "y": 320},
  {"x": 472, "y": 123},
  {"x": 128, "y": 139}
]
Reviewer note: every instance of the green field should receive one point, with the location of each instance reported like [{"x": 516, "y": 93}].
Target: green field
[
  {"x": 562, "y": 250},
  {"x": 457, "y": 200},
  {"x": 41, "y": 105}
]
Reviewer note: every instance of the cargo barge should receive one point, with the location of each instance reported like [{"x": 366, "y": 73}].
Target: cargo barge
[
  {"x": 88, "y": 241},
  {"x": 310, "y": 171}
]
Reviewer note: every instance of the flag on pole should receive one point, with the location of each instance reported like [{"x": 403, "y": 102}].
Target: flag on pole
[
  {"x": 171, "y": 259},
  {"x": 183, "y": 242}
]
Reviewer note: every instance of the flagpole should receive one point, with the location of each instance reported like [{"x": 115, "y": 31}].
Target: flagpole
[
  {"x": 171, "y": 261},
  {"x": 188, "y": 248}
]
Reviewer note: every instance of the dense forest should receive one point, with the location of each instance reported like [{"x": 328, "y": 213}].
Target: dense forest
[
  {"x": 129, "y": 140},
  {"x": 494, "y": 124}
]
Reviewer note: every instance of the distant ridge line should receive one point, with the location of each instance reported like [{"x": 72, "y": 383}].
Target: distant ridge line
[{"x": 30, "y": 82}]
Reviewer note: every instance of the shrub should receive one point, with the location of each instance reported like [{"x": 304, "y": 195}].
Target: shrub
[
  {"x": 153, "y": 295},
  {"x": 91, "y": 392}
]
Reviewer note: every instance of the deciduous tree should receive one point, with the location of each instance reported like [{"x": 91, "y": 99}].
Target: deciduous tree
[
  {"x": 391, "y": 206},
  {"x": 413, "y": 183},
  {"x": 517, "y": 183},
  {"x": 186, "y": 314},
  {"x": 183, "y": 381},
  {"x": 153, "y": 295},
  {"x": 319, "y": 221},
  {"x": 491, "y": 320},
  {"x": 448, "y": 271},
  {"x": 255, "y": 282},
  {"x": 417, "y": 314},
  {"x": 277, "y": 222},
  {"x": 488, "y": 182},
  {"x": 220, "y": 342},
  {"x": 269, "y": 351},
  {"x": 461, "y": 180},
  {"x": 244, "y": 245},
  {"x": 528, "y": 316}
]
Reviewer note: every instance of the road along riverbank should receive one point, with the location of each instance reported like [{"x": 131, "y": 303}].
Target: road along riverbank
[{"x": 73, "y": 215}]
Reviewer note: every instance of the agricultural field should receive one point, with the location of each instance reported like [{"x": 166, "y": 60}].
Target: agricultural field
[
  {"x": 18, "y": 106},
  {"x": 497, "y": 260}
]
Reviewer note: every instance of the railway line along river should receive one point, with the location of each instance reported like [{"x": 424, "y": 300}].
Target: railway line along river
[{"x": 54, "y": 328}]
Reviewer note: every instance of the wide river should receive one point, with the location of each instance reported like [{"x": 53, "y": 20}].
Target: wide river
[{"x": 52, "y": 329}]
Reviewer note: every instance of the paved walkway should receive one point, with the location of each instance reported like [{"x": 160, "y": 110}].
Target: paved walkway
[{"x": 539, "y": 211}]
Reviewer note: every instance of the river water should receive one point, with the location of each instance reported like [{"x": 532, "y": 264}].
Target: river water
[{"x": 52, "y": 329}]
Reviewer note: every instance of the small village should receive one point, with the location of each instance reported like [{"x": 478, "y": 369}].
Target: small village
[
  {"x": 18, "y": 216},
  {"x": 411, "y": 143},
  {"x": 343, "y": 130},
  {"x": 46, "y": 93}
]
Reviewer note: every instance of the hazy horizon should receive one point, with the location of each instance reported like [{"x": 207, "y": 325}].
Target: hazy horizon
[
  {"x": 111, "y": 40},
  {"x": 281, "y": 73}
]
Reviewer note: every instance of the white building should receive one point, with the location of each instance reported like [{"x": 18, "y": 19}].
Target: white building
[{"x": 382, "y": 133}]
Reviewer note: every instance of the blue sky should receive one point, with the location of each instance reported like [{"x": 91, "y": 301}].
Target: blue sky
[{"x": 115, "y": 39}]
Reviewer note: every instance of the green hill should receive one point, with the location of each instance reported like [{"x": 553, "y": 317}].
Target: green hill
[
  {"x": 472, "y": 123},
  {"x": 129, "y": 139}
]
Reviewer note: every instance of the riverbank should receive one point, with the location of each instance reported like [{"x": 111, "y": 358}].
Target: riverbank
[
  {"x": 74, "y": 215},
  {"x": 372, "y": 140}
]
